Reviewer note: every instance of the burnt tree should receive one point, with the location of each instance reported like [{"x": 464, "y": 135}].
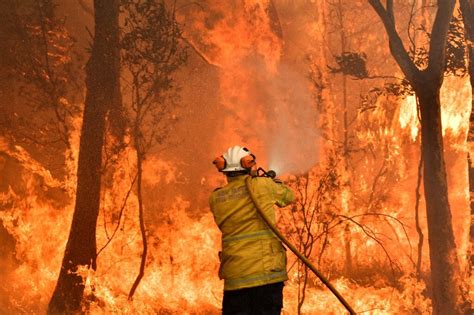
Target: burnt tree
[
  {"x": 447, "y": 295},
  {"x": 103, "y": 93}
]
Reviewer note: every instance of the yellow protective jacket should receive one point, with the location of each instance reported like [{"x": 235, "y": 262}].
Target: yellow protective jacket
[{"x": 251, "y": 254}]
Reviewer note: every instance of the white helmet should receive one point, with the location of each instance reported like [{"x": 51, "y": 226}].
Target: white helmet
[{"x": 235, "y": 159}]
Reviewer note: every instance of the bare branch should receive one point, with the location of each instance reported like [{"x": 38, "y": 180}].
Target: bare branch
[
  {"x": 371, "y": 234},
  {"x": 200, "y": 54},
  {"x": 438, "y": 37},
  {"x": 124, "y": 203},
  {"x": 395, "y": 42},
  {"x": 390, "y": 11},
  {"x": 410, "y": 24}
]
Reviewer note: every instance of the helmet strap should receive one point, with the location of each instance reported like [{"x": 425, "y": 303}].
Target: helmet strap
[{"x": 237, "y": 173}]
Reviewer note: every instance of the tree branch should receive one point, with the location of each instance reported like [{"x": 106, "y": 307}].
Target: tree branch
[
  {"x": 411, "y": 25},
  {"x": 373, "y": 235},
  {"x": 204, "y": 58},
  {"x": 390, "y": 11},
  {"x": 124, "y": 203},
  {"x": 395, "y": 43},
  {"x": 438, "y": 36}
]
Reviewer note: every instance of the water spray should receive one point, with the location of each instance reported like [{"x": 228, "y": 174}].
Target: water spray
[{"x": 303, "y": 258}]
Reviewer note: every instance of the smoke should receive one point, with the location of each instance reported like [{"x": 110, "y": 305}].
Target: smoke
[
  {"x": 272, "y": 113},
  {"x": 292, "y": 140},
  {"x": 283, "y": 118},
  {"x": 265, "y": 101}
]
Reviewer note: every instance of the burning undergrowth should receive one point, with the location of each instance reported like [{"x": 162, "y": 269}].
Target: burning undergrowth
[{"x": 355, "y": 215}]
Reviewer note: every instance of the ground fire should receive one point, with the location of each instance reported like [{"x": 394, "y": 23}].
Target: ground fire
[{"x": 112, "y": 113}]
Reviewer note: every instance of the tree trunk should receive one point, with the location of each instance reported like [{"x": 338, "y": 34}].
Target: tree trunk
[
  {"x": 103, "y": 92},
  {"x": 419, "y": 231},
  {"x": 140, "y": 157},
  {"x": 467, "y": 9},
  {"x": 448, "y": 296},
  {"x": 445, "y": 273}
]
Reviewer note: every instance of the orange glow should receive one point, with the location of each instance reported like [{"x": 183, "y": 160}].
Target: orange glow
[
  {"x": 363, "y": 199},
  {"x": 455, "y": 104},
  {"x": 409, "y": 116}
]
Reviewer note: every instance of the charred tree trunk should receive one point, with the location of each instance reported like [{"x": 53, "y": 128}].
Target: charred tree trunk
[
  {"x": 467, "y": 9},
  {"x": 445, "y": 273},
  {"x": 103, "y": 92}
]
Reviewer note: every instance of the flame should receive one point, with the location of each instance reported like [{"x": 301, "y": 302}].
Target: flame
[
  {"x": 409, "y": 116},
  {"x": 267, "y": 104},
  {"x": 265, "y": 101},
  {"x": 455, "y": 109},
  {"x": 21, "y": 218}
]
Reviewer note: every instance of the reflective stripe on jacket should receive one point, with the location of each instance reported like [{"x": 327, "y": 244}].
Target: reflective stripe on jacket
[{"x": 251, "y": 254}]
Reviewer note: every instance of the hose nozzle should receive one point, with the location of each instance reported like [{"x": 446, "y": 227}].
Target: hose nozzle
[{"x": 262, "y": 173}]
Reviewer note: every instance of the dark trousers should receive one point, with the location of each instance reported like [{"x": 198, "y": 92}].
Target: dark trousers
[{"x": 262, "y": 300}]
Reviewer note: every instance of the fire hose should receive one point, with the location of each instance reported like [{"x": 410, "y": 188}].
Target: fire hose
[{"x": 293, "y": 248}]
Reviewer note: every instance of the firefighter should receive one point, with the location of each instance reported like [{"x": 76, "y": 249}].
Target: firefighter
[{"x": 252, "y": 260}]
